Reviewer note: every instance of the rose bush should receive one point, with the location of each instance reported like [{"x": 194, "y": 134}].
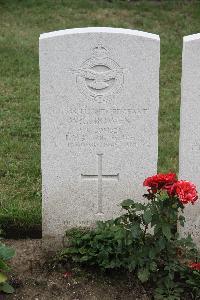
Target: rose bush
[{"x": 144, "y": 240}]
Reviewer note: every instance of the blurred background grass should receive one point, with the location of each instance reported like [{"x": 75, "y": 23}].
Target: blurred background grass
[{"x": 21, "y": 23}]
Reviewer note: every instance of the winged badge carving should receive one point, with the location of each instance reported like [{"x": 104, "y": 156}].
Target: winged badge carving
[
  {"x": 99, "y": 77},
  {"x": 97, "y": 80}
]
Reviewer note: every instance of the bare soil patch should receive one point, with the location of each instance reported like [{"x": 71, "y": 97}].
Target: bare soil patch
[{"x": 35, "y": 279}]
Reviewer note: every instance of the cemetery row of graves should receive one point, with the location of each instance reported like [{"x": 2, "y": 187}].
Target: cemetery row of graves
[
  {"x": 113, "y": 227},
  {"x": 21, "y": 25},
  {"x": 99, "y": 93}
]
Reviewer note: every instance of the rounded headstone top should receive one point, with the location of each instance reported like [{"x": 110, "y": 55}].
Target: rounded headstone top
[
  {"x": 192, "y": 37},
  {"x": 99, "y": 30}
]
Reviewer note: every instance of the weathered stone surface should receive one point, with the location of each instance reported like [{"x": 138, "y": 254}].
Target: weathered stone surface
[
  {"x": 99, "y": 122},
  {"x": 189, "y": 164}
]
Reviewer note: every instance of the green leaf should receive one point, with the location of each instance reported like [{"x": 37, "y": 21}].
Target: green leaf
[
  {"x": 82, "y": 250},
  {"x": 139, "y": 206},
  {"x": 3, "y": 277},
  {"x": 166, "y": 231},
  {"x": 162, "y": 243},
  {"x": 153, "y": 266},
  {"x": 131, "y": 265},
  {"x": 143, "y": 275},
  {"x": 84, "y": 258},
  {"x": 147, "y": 216},
  {"x": 136, "y": 230},
  {"x": 6, "y": 288},
  {"x": 152, "y": 253},
  {"x": 3, "y": 266},
  {"x": 6, "y": 252},
  {"x": 127, "y": 203}
]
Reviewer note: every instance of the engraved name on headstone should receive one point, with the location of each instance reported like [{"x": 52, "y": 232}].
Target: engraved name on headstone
[{"x": 99, "y": 122}]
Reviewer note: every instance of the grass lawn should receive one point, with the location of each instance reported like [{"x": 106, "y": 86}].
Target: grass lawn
[{"x": 21, "y": 23}]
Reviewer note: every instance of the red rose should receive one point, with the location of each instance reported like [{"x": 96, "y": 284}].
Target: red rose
[
  {"x": 195, "y": 266},
  {"x": 185, "y": 190},
  {"x": 160, "y": 181}
]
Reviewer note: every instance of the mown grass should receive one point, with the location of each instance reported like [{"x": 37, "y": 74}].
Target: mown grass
[{"x": 21, "y": 23}]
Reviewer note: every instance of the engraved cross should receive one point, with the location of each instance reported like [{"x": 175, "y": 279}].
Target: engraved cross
[{"x": 100, "y": 178}]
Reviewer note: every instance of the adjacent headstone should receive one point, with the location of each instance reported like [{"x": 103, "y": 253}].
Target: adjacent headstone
[
  {"x": 189, "y": 164},
  {"x": 99, "y": 122}
]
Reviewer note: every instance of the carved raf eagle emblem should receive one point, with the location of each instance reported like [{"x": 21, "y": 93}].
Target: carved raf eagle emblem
[
  {"x": 97, "y": 80},
  {"x": 99, "y": 77}
]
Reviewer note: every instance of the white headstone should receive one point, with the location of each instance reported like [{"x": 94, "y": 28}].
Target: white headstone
[
  {"x": 189, "y": 156},
  {"x": 99, "y": 120}
]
